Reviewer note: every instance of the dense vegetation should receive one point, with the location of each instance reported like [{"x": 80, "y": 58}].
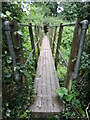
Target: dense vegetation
[{"x": 16, "y": 99}]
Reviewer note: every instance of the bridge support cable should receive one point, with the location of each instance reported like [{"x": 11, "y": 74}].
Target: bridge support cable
[
  {"x": 31, "y": 53},
  {"x": 66, "y": 64}
]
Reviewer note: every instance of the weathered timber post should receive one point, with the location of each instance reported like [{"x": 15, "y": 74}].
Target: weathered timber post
[
  {"x": 58, "y": 44},
  {"x": 51, "y": 42},
  {"x": 54, "y": 39},
  {"x": 10, "y": 46},
  {"x": 37, "y": 40},
  {"x": 38, "y": 29},
  {"x": 51, "y": 36},
  {"x": 41, "y": 33},
  {"x": 17, "y": 43},
  {"x": 32, "y": 43},
  {"x": 18, "y": 49},
  {"x": 73, "y": 57},
  {"x": 82, "y": 40}
]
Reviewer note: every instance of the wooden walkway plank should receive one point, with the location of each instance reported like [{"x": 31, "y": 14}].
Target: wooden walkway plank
[
  {"x": 46, "y": 83},
  {"x": 55, "y": 85},
  {"x": 49, "y": 89}
]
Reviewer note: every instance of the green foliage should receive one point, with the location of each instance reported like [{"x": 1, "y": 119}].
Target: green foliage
[
  {"x": 69, "y": 97},
  {"x": 85, "y": 61},
  {"x": 73, "y": 105},
  {"x": 74, "y": 10},
  {"x": 62, "y": 91},
  {"x": 70, "y": 11},
  {"x": 8, "y": 13},
  {"x": 15, "y": 98},
  {"x": 39, "y": 13},
  {"x": 12, "y": 11}
]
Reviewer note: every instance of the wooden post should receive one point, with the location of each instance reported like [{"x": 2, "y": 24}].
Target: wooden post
[
  {"x": 32, "y": 40},
  {"x": 32, "y": 43},
  {"x": 73, "y": 55},
  {"x": 82, "y": 40},
  {"x": 18, "y": 49},
  {"x": 50, "y": 36},
  {"x": 37, "y": 40},
  {"x": 54, "y": 39},
  {"x": 38, "y": 29},
  {"x": 58, "y": 44},
  {"x": 41, "y": 34},
  {"x": 17, "y": 43}
]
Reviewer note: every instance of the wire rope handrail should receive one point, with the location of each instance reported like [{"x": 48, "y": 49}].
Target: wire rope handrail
[
  {"x": 65, "y": 62},
  {"x": 31, "y": 53}
]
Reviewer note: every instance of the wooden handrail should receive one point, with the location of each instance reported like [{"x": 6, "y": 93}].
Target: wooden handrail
[
  {"x": 68, "y": 24},
  {"x": 27, "y": 25}
]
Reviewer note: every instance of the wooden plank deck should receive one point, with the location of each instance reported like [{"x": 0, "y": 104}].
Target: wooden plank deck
[{"x": 46, "y": 82}]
